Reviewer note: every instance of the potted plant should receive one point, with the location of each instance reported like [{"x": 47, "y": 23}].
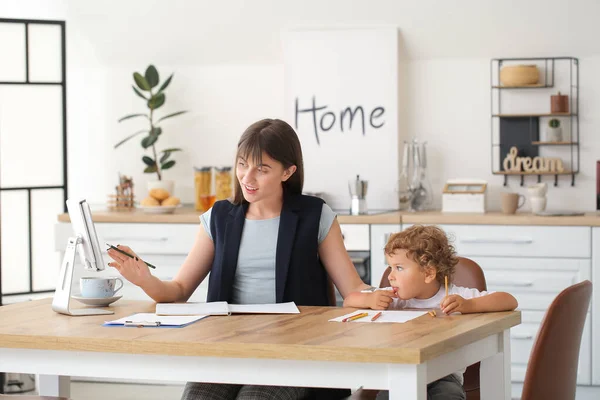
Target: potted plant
[
  {"x": 554, "y": 131},
  {"x": 154, "y": 98}
]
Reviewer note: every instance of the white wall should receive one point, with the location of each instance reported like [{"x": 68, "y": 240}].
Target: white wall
[{"x": 228, "y": 69}]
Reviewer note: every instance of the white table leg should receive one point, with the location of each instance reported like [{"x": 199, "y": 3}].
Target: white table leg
[
  {"x": 407, "y": 381},
  {"x": 54, "y": 385},
  {"x": 495, "y": 371}
]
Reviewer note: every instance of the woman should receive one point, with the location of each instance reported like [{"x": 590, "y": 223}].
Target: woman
[{"x": 269, "y": 244}]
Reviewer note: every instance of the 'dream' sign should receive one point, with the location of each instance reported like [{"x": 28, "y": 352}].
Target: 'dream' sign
[{"x": 341, "y": 97}]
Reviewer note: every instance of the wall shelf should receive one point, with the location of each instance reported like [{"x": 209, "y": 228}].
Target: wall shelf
[
  {"x": 536, "y": 86},
  {"x": 524, "y": 130},
  {"x": 534, "y": 115},
  {"x": 554, "y": 143}
]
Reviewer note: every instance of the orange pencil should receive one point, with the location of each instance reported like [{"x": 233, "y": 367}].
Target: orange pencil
[
  {"x": 446, "y": 282},
  {"x": 353, "y": 317},
  {"x": 376, "y": 316}
]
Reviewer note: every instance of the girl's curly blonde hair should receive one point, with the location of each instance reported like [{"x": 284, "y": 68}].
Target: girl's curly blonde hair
[{"x": 428, "y": 246}]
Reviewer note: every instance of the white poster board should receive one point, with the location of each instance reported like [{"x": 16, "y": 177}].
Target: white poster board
[{"x": 341, "y": 97}]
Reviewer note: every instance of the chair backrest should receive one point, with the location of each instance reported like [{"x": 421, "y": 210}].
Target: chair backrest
[
  {"x": 467, "y": 274},
  {"x": 552, "y": 368}
]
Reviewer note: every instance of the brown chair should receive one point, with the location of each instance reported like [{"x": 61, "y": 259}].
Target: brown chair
[
  {"x": 467, "y": 274},
  {"x": 552, "y": 368}
]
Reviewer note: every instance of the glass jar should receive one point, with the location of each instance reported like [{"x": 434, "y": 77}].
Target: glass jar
[
  {"x": 223, "y": 183},
  {"x": 204, "y": 184}
]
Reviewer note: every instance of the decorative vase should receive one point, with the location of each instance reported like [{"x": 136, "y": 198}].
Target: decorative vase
[
  {"x": 169, "y": 186},
  {"x": 519, "y": 75},
  {"x": 554, "y": 134},
  {"x": 559, "y": 103}
]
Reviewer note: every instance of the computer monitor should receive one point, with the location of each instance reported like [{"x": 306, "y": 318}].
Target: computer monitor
[
  {"x": 83, "y": 227},
  {"x": 85, "y": 242}
]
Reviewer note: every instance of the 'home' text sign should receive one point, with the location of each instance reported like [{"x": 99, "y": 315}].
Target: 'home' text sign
[{"x": 341, "y": 97}]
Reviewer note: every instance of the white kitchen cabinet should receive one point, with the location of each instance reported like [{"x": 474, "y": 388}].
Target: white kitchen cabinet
[
  {"x": 164, "y": 245},
  {"x": 535, "y": 263},
  {"x": 356, "y": 236},
  {"x": 379, "y": 237}
]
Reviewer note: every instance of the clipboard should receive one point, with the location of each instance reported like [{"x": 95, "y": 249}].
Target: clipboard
[{"x": 150, "y": 320}]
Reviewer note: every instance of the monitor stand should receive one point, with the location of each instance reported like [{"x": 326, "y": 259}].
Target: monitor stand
[{"x": 62, "y": 295}]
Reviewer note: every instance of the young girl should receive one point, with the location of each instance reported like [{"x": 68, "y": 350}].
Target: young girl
[
  {"x": 420, "y": 258},
  {"x": 266, "y": 245}
]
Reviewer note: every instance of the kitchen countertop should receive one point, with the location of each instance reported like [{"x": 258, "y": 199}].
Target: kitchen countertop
[{"x": 187, "y": 215}]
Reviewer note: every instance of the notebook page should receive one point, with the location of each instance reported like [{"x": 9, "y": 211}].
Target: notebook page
[
  {"x": 279, "y": 308},
  {"x": 211, "y": 308},
  {"x": 386, "y": 316}
]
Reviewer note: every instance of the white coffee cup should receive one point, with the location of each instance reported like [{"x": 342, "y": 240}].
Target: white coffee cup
[
  {"x": 99, "y": 287},
  {"x": 538, "y": 204},
  {"x": 538, "y": 190}
]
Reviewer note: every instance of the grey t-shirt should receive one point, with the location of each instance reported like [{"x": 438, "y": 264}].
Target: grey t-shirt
[{"x": 254, "y": 281}]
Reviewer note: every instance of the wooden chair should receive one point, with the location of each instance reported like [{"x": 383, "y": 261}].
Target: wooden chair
[
  {"x": 552, "y": 368},
  {"x": 467, "y": 274}
]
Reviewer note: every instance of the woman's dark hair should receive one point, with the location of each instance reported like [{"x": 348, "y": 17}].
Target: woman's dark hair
[{"x": 279, "y": 140}]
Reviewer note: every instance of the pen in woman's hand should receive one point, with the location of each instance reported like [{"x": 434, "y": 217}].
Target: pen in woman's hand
[{"x": 110, "y": 246}]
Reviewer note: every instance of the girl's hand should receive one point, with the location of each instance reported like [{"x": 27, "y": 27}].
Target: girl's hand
[
  {"x": 133, "y": 269},
  {"x": 381, "y": 299},
  {"x": 455, "y": 303}
]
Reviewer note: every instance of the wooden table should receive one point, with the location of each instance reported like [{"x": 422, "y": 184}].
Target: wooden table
[{"x": 288, "y": 350}]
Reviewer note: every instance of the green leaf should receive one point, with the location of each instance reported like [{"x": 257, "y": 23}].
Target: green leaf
[
  {"x": 164, "y": 157},
  {"x": 139, "y": 93},
  {"x": 156, "y": 101},
  {"x": 151, "y": 76},
  {"x": 149, "y": 141},
  {"x": 167, "y": 165},
  {"x": 132, "y": 116},
  {"x": 171, "y": 150},
  {"x": 148, "y": 161},
  {"x": 141, "y": 81},
  {"x": 171, "y": 115},
  {"x": 165, "y": 84},
  {"x": 129, "y": 137},
  {"x": 156, "y": 131},
  {"x": 149, "y": 170}
]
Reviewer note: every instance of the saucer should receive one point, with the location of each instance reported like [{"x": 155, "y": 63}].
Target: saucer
[
  {"x": 97, "y": 301},
  {"x": 159, "y": 209}
]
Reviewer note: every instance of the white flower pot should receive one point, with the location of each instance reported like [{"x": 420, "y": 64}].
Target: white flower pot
[
  {"x": 169, "y": 186},
  {"x": 554, "y": 134}
]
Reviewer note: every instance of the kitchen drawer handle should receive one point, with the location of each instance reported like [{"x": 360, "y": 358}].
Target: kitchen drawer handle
[
  {"x": 497, "y": 241},
  {"x": 510, "y": 283},
  {"x": 521, "y": 337},
  {"x": 135, "y": 239}
]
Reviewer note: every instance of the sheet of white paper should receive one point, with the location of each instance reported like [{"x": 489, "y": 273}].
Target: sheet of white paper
[
  {"x": 279, "y": 308},
  {"x": 399, "y": 316},
  {"x": 163, "y": 319},
  {"x": 211, "y": 308}
]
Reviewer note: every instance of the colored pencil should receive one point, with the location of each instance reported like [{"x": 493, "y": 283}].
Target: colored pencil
[
  {"x": 376, "y": 316},
  {"x": 446, "y": 282},
  {"x": 354, "y": 317}
]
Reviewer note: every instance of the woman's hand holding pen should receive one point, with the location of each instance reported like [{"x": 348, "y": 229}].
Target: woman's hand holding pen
[
  {"x": 381, "y": 299},
  {"x": 133, "y": 269}
]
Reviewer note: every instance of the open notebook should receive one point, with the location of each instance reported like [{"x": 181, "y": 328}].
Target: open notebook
[{"x": 223, "y": 308}]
